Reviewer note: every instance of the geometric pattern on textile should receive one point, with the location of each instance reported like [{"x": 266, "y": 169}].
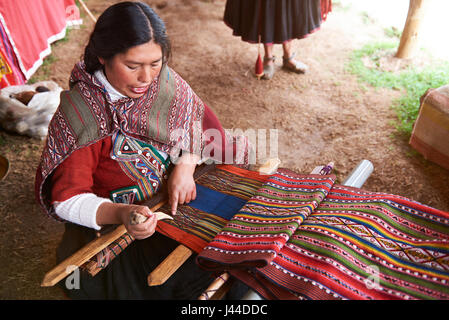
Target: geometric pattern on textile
[
  {"x": 220, "y": 195},
  {"x": 351, "y": 244},
  {"x": 365, "y": 245},
  {"x": 142, "y": 163},
  {"x": 355, "y": 244},
  {"x": 102, "y": 259},
  {"x": 256, "y": 234}
]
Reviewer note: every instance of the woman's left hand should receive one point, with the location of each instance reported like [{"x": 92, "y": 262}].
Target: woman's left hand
[{"x": 181, "y": 185}]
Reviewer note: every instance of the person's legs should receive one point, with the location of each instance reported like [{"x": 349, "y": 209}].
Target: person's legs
[
  {"x": 268, "y": 58},
  {"x": 289, "y": 62},
  {"x": 287, "y": 48},
  {"x": 268, "y": 62}
]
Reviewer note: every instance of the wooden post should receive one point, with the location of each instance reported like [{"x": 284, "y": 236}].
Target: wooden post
[
  {"x": 408, "y": 43},
  {"x": 88, "y": 11}
]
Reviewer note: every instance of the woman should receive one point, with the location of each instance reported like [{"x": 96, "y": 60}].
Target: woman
[
  {"x": 112, "y": 142},
  {"x": 276, "y": 22}
]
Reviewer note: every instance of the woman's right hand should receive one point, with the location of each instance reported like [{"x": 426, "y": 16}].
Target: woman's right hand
[
  {"x": 116, "y": 213},
  {"x": 142, "y": 230}
]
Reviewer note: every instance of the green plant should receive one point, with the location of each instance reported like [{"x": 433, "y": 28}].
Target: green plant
[
  {"x": 413, "y": 81},
  {"x": 44, "y": 72},
  {"x": 393, "y": 32}
]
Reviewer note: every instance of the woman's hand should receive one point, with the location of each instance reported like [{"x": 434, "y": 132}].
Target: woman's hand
[
  {"x": 141, "y": 230},
  {"x": 181, "y": 185},
  {"x": 116, "y": 213}
]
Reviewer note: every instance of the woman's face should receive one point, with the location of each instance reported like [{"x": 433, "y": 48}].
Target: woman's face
[{"x": 132, "y": 72}]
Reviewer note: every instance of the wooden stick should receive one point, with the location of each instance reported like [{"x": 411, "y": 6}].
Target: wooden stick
[
  {"x": 80, "y": 257},
  {"x": 83, "y": 255},
  {"x": 214, "y": 286},
  {"x": 88, "y": 11},
  {"x": 170, "y": 264}
]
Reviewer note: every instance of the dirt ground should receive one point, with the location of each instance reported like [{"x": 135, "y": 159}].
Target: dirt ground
[{"x": 324, "y": 115}]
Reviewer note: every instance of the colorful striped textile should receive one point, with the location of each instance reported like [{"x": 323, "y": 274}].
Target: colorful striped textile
[
  {"x": 220, "y": 195},
  {"x": 256, "y": 234},
  {"x": 105, "y": 256},
  {"x": 355, "y": 244}
]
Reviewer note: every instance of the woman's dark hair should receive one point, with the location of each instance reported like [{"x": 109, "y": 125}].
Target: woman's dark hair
[{"x": 122, "y": 26}]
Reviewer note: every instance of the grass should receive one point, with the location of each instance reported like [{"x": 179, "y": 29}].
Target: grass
[{"x": 413, "y": 81}]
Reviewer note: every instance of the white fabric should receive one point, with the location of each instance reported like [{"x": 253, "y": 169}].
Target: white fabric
[
  {"x": 113, "y": 93},
  {"x": 81, "y": 209}
]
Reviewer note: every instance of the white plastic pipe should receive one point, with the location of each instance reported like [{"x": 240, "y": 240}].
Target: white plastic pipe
[{"x": 360, "y": 174}]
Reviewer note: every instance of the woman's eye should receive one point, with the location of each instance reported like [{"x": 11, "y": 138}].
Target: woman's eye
[{"x": 132, "y": 67}]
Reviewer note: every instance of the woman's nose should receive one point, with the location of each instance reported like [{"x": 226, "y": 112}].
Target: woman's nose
[{"x": 145, "y": 75}]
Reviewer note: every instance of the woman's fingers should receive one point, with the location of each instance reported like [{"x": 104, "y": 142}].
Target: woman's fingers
[
  {"x": 181, "y": 197},
  {"x": 145, "y": 233},
  {"x": 144, "y": 229},
  {"x": 173, "y": 202}
]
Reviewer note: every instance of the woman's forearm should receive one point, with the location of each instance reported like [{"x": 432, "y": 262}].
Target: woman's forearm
[{"x": 111, "y": 213}]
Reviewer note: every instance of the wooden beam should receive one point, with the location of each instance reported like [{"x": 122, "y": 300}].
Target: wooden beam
[
  {"x": 214, "y": 287},
  {"x": 83, "y": 255},
  {"x": 409, "y": 39},
  {"x": 170, "y": 264}
]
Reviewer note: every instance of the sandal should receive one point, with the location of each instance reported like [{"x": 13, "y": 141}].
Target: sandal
[
  {"x": 291, "y": 64},
  {"x": 268, "y": 70}
]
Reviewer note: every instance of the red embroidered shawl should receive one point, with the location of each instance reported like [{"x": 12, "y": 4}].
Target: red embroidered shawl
[{"x": 86, "y": 114}]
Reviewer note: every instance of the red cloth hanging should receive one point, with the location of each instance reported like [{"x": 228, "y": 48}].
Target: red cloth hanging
[{"x": 29, "y": 28}]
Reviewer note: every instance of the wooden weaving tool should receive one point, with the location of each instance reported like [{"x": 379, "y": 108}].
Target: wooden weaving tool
[{"x": 84, "y": 254}]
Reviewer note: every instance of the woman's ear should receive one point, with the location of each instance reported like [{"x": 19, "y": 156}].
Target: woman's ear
[{"x": 101, "y": 60}]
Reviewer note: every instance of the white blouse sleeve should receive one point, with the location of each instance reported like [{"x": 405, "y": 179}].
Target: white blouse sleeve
[{"x": 81, "y": 209}]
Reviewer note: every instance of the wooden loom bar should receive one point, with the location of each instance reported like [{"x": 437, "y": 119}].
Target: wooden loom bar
[
  {"x": 83, "y": 255},
  {"x": 170, "y": 264},
  {"x": 87, "y": 11},
  {"x": 80, "y": 257}
]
